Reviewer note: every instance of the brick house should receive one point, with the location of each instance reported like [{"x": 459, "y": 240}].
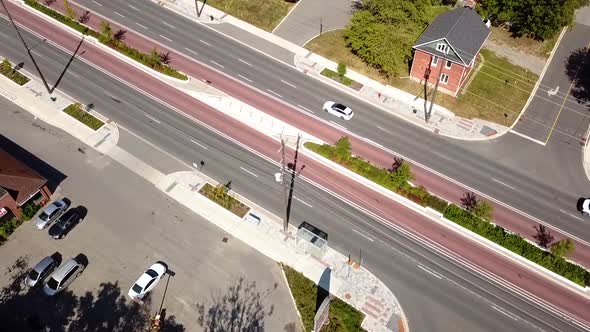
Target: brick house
[
  {"x": 19, "y": 184},
  {"x": 448, "y": 48}
]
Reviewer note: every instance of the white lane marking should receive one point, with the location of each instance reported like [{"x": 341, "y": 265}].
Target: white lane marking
[
  {"x": 502, "y": 183},
  {"x": 571, "y": 215},
  {"x": 152, "y": 118},
  {"x": 216, "y": 63},
  {"x": 199, "y": 144},
  {"x": 338, "y": 125},
  {"x": 247, "y": 79},
  {"x": 4, "y": 35},
  {"x": 429, "y": 271},
  {"x": 188, "y": 49},
  {"x": 133, "y": 7},
  {"x": 242, "y": 61},
  {"x": 302, "y": 202},
  {"x": 305, "y": 108},
  {"x": 170, "y": 25},
  {"x": 141, "y": 25},
  {"x": 440, "y": 155},
  {"x": 72, "y": 73},
  {"x": 363, "y": 235},
  {"x": 117, "y": 13},
  {"x": 385, "y": 130},
  {"x": 204, "y": 42},
  {"x": 98, "y": 3},
  {"x": 37, "y": 53},
  {"x": 269, "y": 90},
  {"x": 289, "y": 84},
  {"x": 527, "y": 137},
  {"x": 372, "y": 142},
  {"x": 247, "y": 171},
  {"x": 168, "y": 39},
  {"x": 504, "y": 312}
]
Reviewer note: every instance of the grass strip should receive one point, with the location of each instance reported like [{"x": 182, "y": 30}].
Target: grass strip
[
  {"x": 7, "y": 70},
  {"x": 220, "y": 196},
  {"x": 76, "y": 112}
]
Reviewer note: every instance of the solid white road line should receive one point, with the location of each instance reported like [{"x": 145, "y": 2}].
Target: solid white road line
[
  {"x": 302, "y": 202},
  {"x": 170, "y": 25},
  {"x": 385, "y": 130},
  {"x": 135, "y": 8},
  {"x": 117, "y": 13},
  {"x": 204, "y": 42},
  {"x": 247, "y": 171},
  {"x": 429, "y": 271},
  {"x": 502, "y": 183},
  {"x": 98, "y": 3},
  {"x": 141, "y": 25},
  {"x": 199, "y": 144},
  {"x": 216, "y": 63},
  {"x": 168, "y": 39},
  {"x": 363, "y": 235},
  {"x": 527, "y": 137},
  {"x": 269, "y": 90},
  {"x": 188, "y": 49},
  {"x": 244, "y": 62},
  {"x": 247, "y": 79},
  {"x": 504, "y": 312},
  {"x": 305, "y": 108},
  {"x": 152, "y": 118},
  {"x": 289, "y": 84}
]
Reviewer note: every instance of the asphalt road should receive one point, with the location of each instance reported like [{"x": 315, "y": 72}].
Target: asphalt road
[
  {"x": 510, "y": 169},
  {"x": 449, "y": 297}
]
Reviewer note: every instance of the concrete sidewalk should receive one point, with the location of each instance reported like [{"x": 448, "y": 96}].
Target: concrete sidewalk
[
  {"x": 391, "y": 100},
  {"x": 352, "y": 283}
]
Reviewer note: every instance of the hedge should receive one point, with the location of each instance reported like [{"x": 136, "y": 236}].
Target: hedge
[
  {"x": 29, "y": 210},
  {"x": 7, "y": 70},
  {"x": 7, "y": 228},
  {"x": 518, "y": 245},
  {"x": 76, "y": 111},
  {"x": 61, "y": 18},
  {"x": 436, "y": 203}
]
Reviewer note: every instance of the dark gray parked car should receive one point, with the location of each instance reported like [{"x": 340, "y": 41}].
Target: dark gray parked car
[
  {"x": 40, "y": 271},
  {"x": 65, "y": 223}
]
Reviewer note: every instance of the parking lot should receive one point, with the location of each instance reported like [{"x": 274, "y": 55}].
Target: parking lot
[{"x": 129, "y": 226}]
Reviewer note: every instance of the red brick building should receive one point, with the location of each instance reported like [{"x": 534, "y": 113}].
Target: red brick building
[
  {"x": 19, "y": 184},
  {"x": 447, "y": 49}
]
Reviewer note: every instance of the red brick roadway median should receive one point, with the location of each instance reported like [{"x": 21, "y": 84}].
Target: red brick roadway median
[{"x": 545, "y": 292}]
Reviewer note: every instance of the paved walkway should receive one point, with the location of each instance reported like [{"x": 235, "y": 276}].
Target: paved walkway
[
  {"x": 353, "y": 284},
  {"x": 309, "y": 18}
]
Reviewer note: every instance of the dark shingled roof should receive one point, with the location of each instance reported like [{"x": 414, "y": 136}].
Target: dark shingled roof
[
  {"x": 18, "y": 179},
  {"x": 462, "y": 28}
]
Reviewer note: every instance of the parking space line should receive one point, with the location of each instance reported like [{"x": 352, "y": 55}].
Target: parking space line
[
  {"x": 527, "y": 137},
  {"x": 247, "y": 171}
]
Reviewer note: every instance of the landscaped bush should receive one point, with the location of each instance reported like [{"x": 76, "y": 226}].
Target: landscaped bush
[
  {"x": 220, "y": 196},
  {"x": 518, "y": 245},
  {"x": 8, "y": 227},
  {"x": 61, "y": 18},
  {"x": 29, "y": 210},
  {"x": 343, "y": 317},
  {"x": 436, "y": 203},
  {"x": 76, "y": 111},
  {"x": 7, "y": 70}
]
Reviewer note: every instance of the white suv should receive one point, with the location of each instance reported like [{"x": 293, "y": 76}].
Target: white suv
[{"x": 338, "y": 110}]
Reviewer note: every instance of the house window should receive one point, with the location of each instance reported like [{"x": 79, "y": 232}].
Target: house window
[
  {"x": 442, "y": 47},
  {"x": 448, "y": 64},
  {"x": 434, "y": 61},
  {"x": 444, "y": 78}
]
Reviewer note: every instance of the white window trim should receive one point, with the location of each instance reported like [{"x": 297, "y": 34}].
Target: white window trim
[
  {"x": 443, "y": 49},
  {"x": 443, "y": 81},
  {"x": 449, "y": 63},
  {"x": 434, "y": 61}
]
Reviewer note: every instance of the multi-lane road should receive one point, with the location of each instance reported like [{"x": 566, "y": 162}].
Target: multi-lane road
[{"x": 350, "y": 230}]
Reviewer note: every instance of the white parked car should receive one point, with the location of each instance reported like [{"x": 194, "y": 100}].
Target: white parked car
[
  {"x": 338, "y": 110},
  {"x": 50, "y": 213},
  {"x": 586, "y": 207},
  {"x": 148, "y": 280}
]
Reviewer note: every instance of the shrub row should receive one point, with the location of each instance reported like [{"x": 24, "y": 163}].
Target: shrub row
[
  {"x": 336, "y": 76},
  {"x": 121, "y": 47},
  {"x": 220, "y": 196},
  {"x": 518, "y": 245},
  {"x": 7, "y": 70},
  {"x": 8, "y": 227},
  {"x": 76, "y": 111}
]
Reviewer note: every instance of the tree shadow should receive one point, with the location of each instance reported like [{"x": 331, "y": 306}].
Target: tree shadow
[
  {"x": 25, "y": 309},
  {"x": 241, "y": 308},
  {"x": 577, "y": 69}
]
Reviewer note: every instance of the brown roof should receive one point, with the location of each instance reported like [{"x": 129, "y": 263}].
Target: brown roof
[{"x": 18, "y": 179}]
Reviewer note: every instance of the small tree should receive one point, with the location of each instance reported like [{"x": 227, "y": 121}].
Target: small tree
[
  {"x": 342, "y": 149},
  {"x": 106, "y": 33},
  {"x": 119, "y": 36},
  {"x": 562, "y": 248},
  {"x": 483, "y": 210},
  {"x": 49, "y": 2},
  {"x": 469, "y": 201},
  {"x": 85, "y": 17},
  {"x": 341, "y": 70},
  {"x": 165, "y": 58},
  {"x": 154, "y": 58},
  {"x": 543, "y": 236},
  {"x": 397, "y": 162},
  {"x": 402, "y": 175},
  {"x": 70, "y": 12}
]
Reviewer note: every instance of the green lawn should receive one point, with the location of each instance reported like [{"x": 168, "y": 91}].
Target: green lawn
[
  {"x": 265, "y": 14},
  {"x": 499, "y": 88},
  {"x": 343, "y": 317},
  {"x": 76, "y": 111}
]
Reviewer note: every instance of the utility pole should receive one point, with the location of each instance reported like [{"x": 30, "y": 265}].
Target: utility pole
[
  {"x": 427, "y": 115},
  {"x": 28, "y": 51}
]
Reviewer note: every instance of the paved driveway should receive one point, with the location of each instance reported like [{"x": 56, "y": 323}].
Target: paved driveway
[
  {"x": 310, "y": 17},
  {"x": 129, "y": 226}
]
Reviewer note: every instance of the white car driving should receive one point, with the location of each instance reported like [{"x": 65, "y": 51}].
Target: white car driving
[
  {"x": 148, "y": 280},
  {"x": 338, "y": 110}
]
